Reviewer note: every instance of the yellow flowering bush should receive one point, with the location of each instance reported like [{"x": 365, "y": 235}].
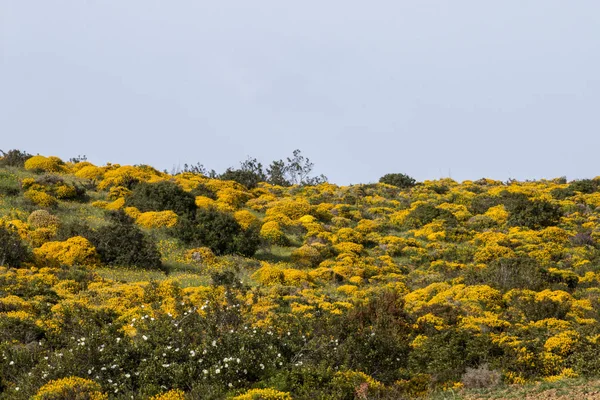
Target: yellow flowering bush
[
  {"x": 44, "y": 164},
  {"x": 90, "y": 172},
  {"x": 71, "y": 387},
  {"x": 157, "y": 219},
  {"x": 174, "y": 394},
  {"x": 74, "y": 251},
  {"x": 263, "y": 394},
  {"x": 245, "y": 218},
  {"x": 205, "y": 202},
  {"x": 348, "y": 247},
  {"x": 41, "y": 199},
  {"x": 271, "y": 231},
  {"x": 293, "y": 209},
  {"x": 269, "y": 274}
]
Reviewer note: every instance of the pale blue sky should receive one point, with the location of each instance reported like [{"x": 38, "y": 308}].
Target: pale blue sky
[{"x": 471, "y": 88}]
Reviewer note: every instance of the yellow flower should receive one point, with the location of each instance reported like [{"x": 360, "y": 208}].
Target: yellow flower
[
  {"x": 74, "y": 251},
  {"x": 157, "y": 219},
  {"x": 44, "y": 164},
  {"x": 71, "y": 387},
  {"x": 263, "y": 394}
]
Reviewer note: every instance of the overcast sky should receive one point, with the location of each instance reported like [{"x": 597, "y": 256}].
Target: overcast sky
[{"x": 502, "y": 89}]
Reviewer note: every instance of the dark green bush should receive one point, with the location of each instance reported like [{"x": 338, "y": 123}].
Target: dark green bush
[
  {"x": 249, "y": 179},
  {"x": 12, "y": 250},
  {"x": 122, "y": 243},
  {"x": 161, "y": 196},
  {"x": 533, "y": 214},
  {"x": 399, "y": 180},
  {"x": 480, "y": 204},
  {"x": 426, "y": 213},
  {"x": 584, "y": 186},
  {"x": 219, "y": 231}
]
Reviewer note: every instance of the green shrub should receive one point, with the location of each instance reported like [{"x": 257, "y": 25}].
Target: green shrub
[
  {"x": 12, "y": 250},
  {"x": 399, "y": 180},
  {"x": 423, "y": 214},
  {"x": 219, "y": 231},
  {"x": 161, "y": 196},
  {"x": 122, "y": 243},
  {"x": 533, "y": 214}
]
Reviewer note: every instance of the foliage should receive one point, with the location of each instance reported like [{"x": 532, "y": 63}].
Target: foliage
[
  {"x": 12, "y": 250},
  {"x": 70, "y": 388},
  {"x": 9, "y": 184},
  {"x": 402, "y": 181},
  {"x": 121, "y": 243},
  {"x": 292, "y": 291},
  {"x": 218, "y": 231},
  {"x": 14, "y": 158},
  {"x": 74, "y": 251},
  {"x": 161, "y": 196},
  {"x": 44, "y": 164}
]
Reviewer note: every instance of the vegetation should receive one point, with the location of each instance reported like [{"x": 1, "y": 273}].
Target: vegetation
[{"x": 126, "y": 282}]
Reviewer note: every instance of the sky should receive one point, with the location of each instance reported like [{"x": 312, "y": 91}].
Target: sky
[{"x": 434, "y": 89}]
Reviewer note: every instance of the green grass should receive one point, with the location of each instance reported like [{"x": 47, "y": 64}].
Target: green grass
[
  {"x": 275, "y": 254},
  {"x": 127, "y": 275}
]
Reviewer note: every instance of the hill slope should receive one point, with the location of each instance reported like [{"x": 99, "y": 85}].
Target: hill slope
[{"x": 127, "y": 282}]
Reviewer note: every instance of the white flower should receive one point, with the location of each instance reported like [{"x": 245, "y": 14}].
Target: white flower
[
  {"x": 127, "y": 376},
  {"x": 11, "y": 363},
  {"x": 217, "y": 371},
  {"x": 214, "y": 343},
  {"x": 204, "y": 371},
  {"x": 262, "y": 366},
  {"x": 144, "y": 337},
  {"x": 17, "y": 388}
]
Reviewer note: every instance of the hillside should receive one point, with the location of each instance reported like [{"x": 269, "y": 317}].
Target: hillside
[{"x": 130, "y": 283}]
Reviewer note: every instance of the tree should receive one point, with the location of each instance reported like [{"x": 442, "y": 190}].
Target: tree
[
  {"x": 277, "y": 173},
  {"x": 402, "y": 181},
  {"x": 296, "y": 171}
]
